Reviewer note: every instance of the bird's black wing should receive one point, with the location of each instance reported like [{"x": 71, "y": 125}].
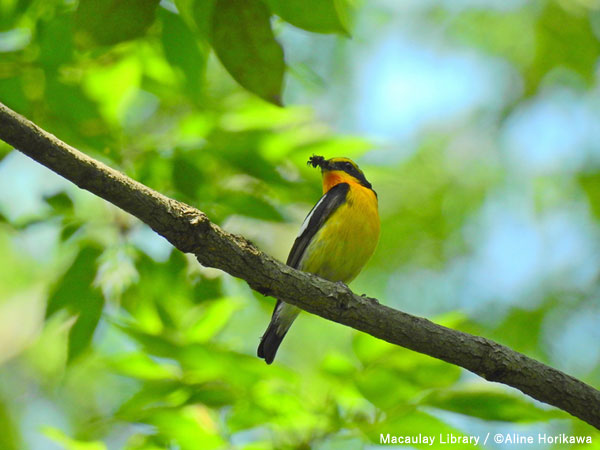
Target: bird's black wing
[
  {"x": 270, "y": 341},
  {"x": 324, "y": 208}
]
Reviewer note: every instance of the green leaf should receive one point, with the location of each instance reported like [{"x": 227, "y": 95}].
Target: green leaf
[
  {"x": 385, "y": 388},
  {"x": 71, "y": 444},
  {"x": 239, "y": 150},
  {"x": 187, "y": 175},
  {"x": 82, "y": 331},
  {"x": 11, "y": 12},
  {"x": 75, "y": 117},
  {"x": 188, "y": 427},
  {"x": 9, "y": 432},
  {"x": 242, "y": 37},
  {"x": 200, "y": 12},
  {"x": 369, "y": 349},
  {"x": 207, "y": 289},
  {"x": 521, "y": 330},
  {"x": 319, "y": 16},
  {"x": 61, "y": 202},
  {"x": 56, "y": 41},
  {"x": 493, "y": 32},
  {"x": 75, "y": 292},
  {"x": 245, "y": 416},
  {"x": 108, "y": 22},
  {"x": 251, "y": 206},
  {"x": 556, "y": 31},
  {"x": 13, "y": 96},
  {"x": 69, "y": 229},
  {"x": 338, "y": 365},
  {"x": 393, "y": 375},
  {"x": 157, "y": 345},
  {"x": 590, "y": 182},
  {"x": 153, "y": 394},
  {"x": 490, "y": 405},
  {"x": 141, "y": 366},
  {"x": 76, "y": 280},
  {"x": 215, "y": 394},
  {"x": 183, "y": 50},
  {"x": 210, "y": 318}
]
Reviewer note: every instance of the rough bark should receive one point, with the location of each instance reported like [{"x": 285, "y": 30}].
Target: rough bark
[{"x": 190, "y": 231}]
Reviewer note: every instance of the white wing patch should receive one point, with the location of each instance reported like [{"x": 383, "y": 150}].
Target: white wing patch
[{"x": 307, "y": 220}]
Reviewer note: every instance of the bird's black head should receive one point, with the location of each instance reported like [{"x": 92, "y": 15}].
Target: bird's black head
[{"x": 345, "y": 165}]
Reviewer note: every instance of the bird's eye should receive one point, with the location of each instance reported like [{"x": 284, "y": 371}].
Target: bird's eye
[{"x": 348, "y": 166}]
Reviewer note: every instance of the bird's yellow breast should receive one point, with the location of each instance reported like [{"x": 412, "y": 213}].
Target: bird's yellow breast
[{"x": 347, "y": 240}]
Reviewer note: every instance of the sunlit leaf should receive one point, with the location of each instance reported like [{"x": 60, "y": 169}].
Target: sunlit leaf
[
  {"x": 556, "y": 29},
  {"x": 386, "y": 388},
  {"x": 143, "y": 367},
  {"x": 390, "y": 368},
  {"x": 490, "y": 405},
  {"x": 521, "y": 331},
  {"x": 239, "y": 150},
  {"x": 338, "y": 365},
  {"x": 369, "y": 349},
  {"x": 244, "y": 416},
  {"x": 188, "y": 427},
  {"x": 320, "y": 16},
  {"x": 68, "y": 443},
  {"x": 209, "y": 318},
  {"x": 9, "y": 432},
  {"x": 11, "y": 12},
  {"x": 590, "y": 182},
  {"x": 153, "y": 395},
  {"x": 493, "y": 32},
  {"x": 76, "y": 117}
]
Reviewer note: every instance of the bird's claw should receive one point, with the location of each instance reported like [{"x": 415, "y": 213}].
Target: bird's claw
[{"x": 342, "y": 285}]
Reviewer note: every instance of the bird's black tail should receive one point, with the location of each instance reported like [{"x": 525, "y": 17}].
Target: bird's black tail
[
  {"x": 269, "y": 343},
  {"x": 281, "y": 321}
]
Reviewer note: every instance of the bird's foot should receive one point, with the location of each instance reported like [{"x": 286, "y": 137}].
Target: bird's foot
[
  {"x": 342, "y": 285},
  {"x": 342, "y": 295},
  {"x": 370, "y": 299}
]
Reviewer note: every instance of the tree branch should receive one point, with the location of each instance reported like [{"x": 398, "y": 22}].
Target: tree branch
[{"x": 190, "y": 230}]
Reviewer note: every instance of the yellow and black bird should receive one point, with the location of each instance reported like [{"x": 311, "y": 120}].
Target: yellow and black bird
[{"x": 337, "y": 238}]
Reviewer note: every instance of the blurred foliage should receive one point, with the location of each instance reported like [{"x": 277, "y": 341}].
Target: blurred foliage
[{"x": 108, "y": 339}]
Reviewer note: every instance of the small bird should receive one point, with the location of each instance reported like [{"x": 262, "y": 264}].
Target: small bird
[{"x": 335, "y": 241}]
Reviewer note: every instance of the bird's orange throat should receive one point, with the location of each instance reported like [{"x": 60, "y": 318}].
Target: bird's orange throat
[{"x": 335, "y": 177}]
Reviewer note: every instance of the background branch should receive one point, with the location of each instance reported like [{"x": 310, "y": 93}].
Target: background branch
[{"x": 189, "y": 230}]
